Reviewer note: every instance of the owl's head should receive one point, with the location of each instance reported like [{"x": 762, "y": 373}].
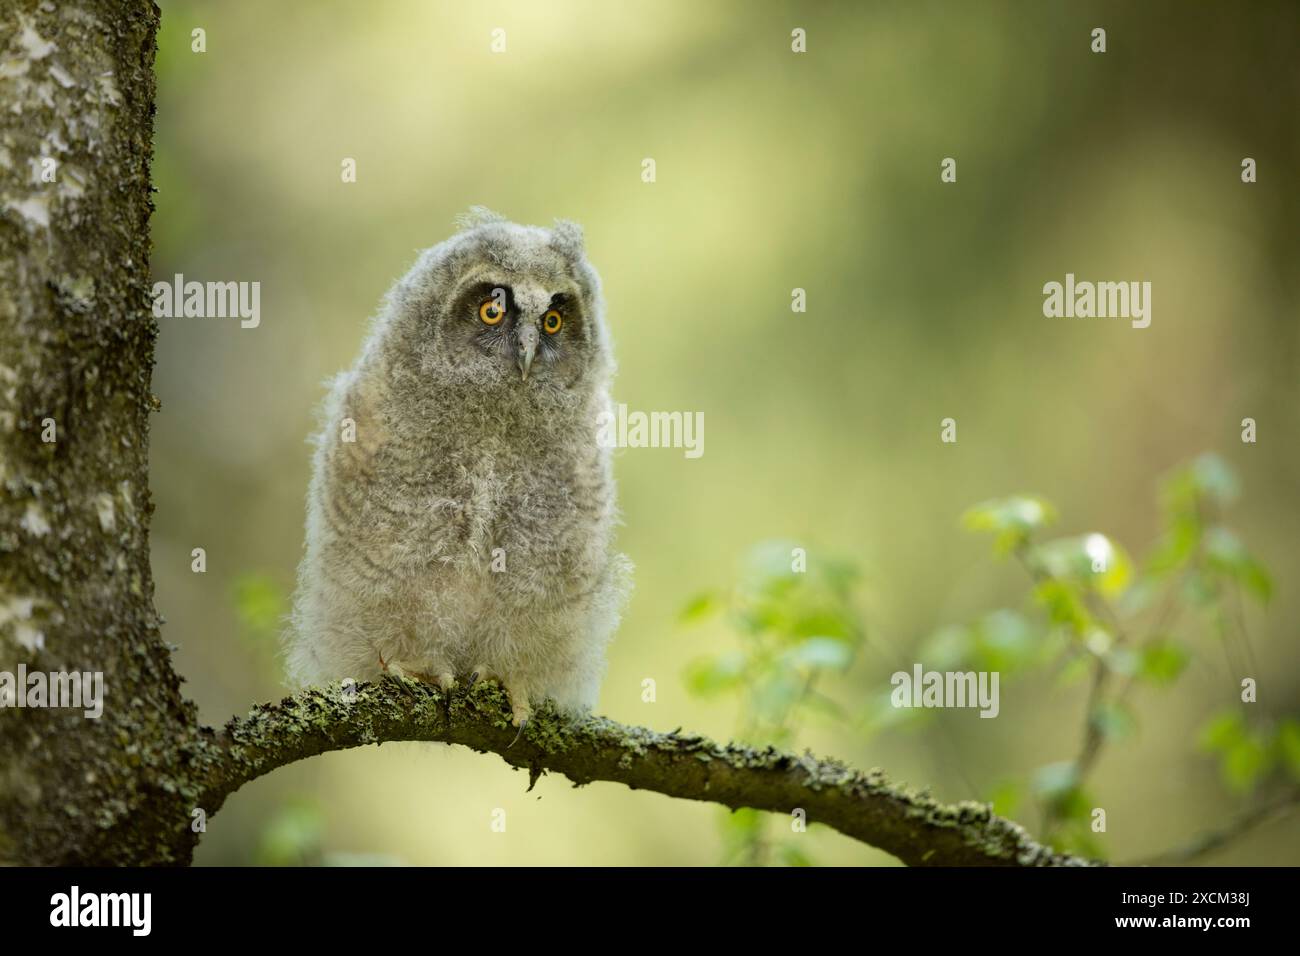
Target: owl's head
[{"x": 507, "y": 305}]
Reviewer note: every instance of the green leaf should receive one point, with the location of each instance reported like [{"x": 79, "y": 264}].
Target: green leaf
[
  {"x": 820, "y": 652},
  {"x": 769, "y": 567},
  {"x": 1246, "y": 763},
  {"x": 1077, "y": 837},
  {"x": 1206, "y": 479},
  {"x": 1223, "y": 548},
  {"x": 1214, "y": 479},
  {"x": 1162, "y": 661},
  {"x": 699, "y": 607},
  {"x": 260, "y": 605},
  {"x": 1226, "y": 555},
  {"x": 1055, "y": 779},
  {"x": 1006, "y": 798},
  {"x": 712, "y": 675},
  {"x": 1005, "y": 642},
  {"x": 1012, "y": 520},
  {"x": 836, "y": 623},
  {"x": 1092, "y": 560},
  {"x": 1058, "y": 785},
  {"x": 1223, "y": 732},
  {"x": 1256, "y": 580},
  {"x": 1177, "y": 545},
  {"x": 755, "y": 619},
  {"x": 1064, "y": 605}
]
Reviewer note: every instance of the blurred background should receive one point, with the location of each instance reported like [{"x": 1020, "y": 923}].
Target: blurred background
[{"x": 775, "y": 171}]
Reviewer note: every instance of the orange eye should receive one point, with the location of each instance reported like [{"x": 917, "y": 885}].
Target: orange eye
[
  {"x": 551, "y": 322},
  {"x": 490, "y": 312}
]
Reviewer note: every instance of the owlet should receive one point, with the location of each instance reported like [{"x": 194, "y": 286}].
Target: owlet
[{"x": 461, "y": 511}]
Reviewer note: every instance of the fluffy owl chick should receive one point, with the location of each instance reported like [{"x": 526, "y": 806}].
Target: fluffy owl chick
[{"x": 461, "y": 510}]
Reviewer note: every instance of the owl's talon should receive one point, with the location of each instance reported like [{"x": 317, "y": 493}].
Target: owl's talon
[
  {"x": 393, "y": 668},
  {"x": 398, "y": 673},
  {"x": 520, "y": 708},
  {"x": 522, "y": 724},
  {"x": 405, "y": 672}
]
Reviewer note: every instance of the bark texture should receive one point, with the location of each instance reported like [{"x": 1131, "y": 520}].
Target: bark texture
[
  {"x": 866, "y": 806},
  {"x": 76, "y": 353}
]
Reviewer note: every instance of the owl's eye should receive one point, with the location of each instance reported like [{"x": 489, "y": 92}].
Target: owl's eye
[
  {"x": 551, "y": 322},
  {"x": 490, "y": 312}
]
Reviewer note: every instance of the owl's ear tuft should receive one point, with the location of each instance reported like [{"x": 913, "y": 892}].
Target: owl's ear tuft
[
  {"x": 478, "y": 216},
  {"x": 566, "y": 237}
]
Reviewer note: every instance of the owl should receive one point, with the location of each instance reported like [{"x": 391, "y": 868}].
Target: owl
[{"x": 461, "y": 512}]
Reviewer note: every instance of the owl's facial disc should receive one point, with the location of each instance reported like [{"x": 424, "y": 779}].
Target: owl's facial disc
[{"x": 523, "y": 326}]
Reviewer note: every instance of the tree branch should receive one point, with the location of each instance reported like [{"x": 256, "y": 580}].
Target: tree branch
[{"x": 865, "y": 806}]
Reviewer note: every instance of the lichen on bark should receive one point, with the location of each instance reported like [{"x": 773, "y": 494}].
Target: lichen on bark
[
  {"x": 866, "y": 806},
  {"x": 76, "y": 352}
]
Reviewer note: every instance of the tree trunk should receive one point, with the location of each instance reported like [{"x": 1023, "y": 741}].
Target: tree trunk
[{"x": 76, "y": 352}]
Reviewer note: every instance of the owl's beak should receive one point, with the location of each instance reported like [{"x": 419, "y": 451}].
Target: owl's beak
[{"x": 527, "y": 349}]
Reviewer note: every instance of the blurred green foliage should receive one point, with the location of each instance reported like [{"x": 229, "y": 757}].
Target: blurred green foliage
[
  {"x": 261, "y": 608},
  {"x": 293, "y": 836},
  {"x": 796, "y": 622},
  {"x": 1091, "y": 610},
  {"x": 260, "y": 604}
]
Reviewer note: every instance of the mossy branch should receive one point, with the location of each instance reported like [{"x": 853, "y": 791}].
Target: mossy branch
[{"x": 865, "y": 806}]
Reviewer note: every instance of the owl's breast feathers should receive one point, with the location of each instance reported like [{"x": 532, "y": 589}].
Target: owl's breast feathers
[{"x": 427, "y": 504}]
